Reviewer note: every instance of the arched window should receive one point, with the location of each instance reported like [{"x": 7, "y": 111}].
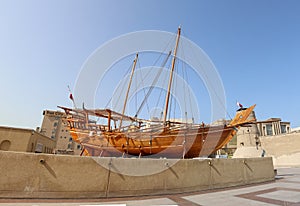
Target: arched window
[{"x": 5, "y": 145}]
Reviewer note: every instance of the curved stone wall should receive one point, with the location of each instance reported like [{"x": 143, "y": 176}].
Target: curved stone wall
[{"x": 29, "y": 175}]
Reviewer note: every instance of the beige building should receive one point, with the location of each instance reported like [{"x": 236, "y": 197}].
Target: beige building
[
  {"x": 270, "y": 138},
  {"x": 273, "y": 126},
  {"x": 250, "y": 135},
  {"x": 252, "y": 138},
  {"x": 54, "y": 127},
  {"x": 24, "y": 140}
]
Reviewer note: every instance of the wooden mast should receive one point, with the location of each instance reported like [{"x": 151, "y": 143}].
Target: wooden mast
[
  {"x": 171, "y": 76},
  {"x": 129, "y": 85}
]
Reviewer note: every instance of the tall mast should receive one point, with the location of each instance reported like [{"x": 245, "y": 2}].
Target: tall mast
[
  {"x": 129, "y": 85},
  {"x": 171, "y": 77}
]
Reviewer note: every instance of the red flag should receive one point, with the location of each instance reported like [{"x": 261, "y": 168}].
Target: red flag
[
  {"x": 239, "y": 104},
  {"x": 71, "y": 97}
]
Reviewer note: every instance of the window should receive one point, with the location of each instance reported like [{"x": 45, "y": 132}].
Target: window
[
  {"x": 78, "y": 146},
  {"x": 283, "y": 128},
  {"x": 269, "y": 129},
  {"x": 55, "y": 124},
  {"x": 70, "y": 139},
  {"x": 5, "y": 145}
]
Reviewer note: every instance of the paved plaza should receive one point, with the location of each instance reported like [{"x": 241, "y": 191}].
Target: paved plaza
[{"x": 285, "y": 190}]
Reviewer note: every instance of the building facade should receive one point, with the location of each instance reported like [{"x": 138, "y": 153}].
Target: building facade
[
  {"x": 53, "y": 126},
  {"x": 273, "y": 126},
  {"x": 249, "y": 135},
  {"x": 25, "y": 140}
]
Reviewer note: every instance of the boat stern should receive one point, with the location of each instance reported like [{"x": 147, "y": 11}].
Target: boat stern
[{"x": 242, "y": 117}]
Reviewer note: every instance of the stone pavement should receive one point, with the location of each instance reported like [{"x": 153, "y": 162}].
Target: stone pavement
[{"x": 284, "y": 191}]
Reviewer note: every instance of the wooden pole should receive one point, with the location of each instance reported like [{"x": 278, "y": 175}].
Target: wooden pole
[
  {"x": 108, "y": 120},
  {"x": 171, "y": 77},
  {"x": 129, "y": 84}
]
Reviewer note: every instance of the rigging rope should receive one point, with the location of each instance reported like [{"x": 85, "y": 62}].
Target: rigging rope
[
  {"x": 188, "y": 90},
  {"x": 214, "y": 91},
  {"x": 152, "y": 85},
  {"x": 142, "y": 82},
  {"x": 161, "y": 91},
  {"x": 184, "y": 89},
  {"x": 109, "y": 101}
]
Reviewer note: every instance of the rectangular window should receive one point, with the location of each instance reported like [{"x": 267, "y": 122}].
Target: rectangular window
[
  {"x": 269, "y": 129},
  {"x": 283, "y": 128},
  {"x": 39, "y": 148}
]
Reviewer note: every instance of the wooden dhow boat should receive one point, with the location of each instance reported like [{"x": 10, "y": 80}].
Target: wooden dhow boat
[{"x": 143, "y": 137}]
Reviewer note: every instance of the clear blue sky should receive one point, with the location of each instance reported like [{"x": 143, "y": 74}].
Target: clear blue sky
[{"x": 255, "y": 46}]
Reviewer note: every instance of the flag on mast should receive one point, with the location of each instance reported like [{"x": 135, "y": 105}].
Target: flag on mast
[
  {"x": 239, "y": 104},
  {"x": 71, "y": 96}
]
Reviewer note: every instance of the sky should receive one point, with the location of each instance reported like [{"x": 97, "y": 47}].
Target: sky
[{"x": 254, "y": 45}]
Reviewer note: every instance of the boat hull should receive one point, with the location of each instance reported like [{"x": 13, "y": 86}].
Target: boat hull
[
  {"x": 175, "y": 140},
  {"x": 176, "y": 143}
]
